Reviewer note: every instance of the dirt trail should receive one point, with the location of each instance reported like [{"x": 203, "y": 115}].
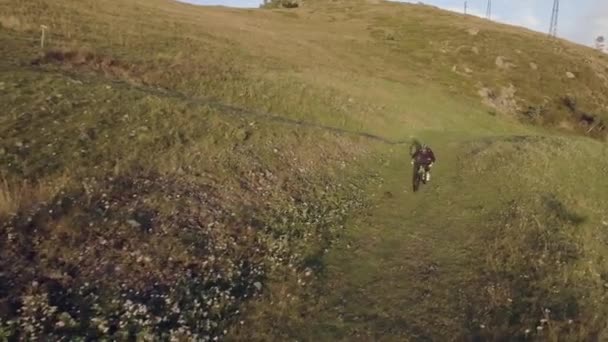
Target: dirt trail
[{"x": 400, "y": 273}]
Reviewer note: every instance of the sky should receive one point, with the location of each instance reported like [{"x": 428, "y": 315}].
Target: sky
[{"x": 580, "y": 20}]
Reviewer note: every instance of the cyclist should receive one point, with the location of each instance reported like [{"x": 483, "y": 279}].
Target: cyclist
[{"x": 425, "y": 157}]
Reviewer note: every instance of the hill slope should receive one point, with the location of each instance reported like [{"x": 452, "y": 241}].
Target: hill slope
[{"x": 163, "y": 163}]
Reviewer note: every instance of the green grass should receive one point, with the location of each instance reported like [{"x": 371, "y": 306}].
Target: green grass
[
  {"x": 492, "y": 247},
  {"x": 206, "y": 156},
  {"x": 157, "y": 188}
]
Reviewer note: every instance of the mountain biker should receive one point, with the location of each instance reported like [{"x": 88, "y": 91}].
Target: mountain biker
[{"x": 425, "y": 157}]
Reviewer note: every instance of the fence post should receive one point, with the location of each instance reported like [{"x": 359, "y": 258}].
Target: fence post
[{"x": 43, "y": 36}]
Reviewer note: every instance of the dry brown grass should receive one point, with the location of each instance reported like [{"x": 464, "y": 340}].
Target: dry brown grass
[
  {"x": 17, "y": 195},
  {"x": 8, "y": 203}
]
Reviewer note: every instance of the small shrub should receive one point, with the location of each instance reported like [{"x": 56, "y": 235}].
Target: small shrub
[
  {"x": 281, "y": 4},
  {"x": 14, "y": 196}
]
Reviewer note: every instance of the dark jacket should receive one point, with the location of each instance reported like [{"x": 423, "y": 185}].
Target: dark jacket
[{"x": 424, "y": 157}]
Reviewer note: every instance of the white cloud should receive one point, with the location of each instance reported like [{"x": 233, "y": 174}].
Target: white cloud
[
  {"x": 523, "y": 15},
  {"x": 598, "y": 22},
  {"x": 589, "y": 24},
  {"x": 531, "y": 21}
]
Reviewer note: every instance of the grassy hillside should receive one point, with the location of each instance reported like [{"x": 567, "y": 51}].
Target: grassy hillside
[
  {"x": 314, "y": 62},
  {"x": 162, "y": 164},
  {"x": 500, "y": 255}
]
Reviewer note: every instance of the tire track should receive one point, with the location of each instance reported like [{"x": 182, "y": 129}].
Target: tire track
[{"x": 222, "y": 107}]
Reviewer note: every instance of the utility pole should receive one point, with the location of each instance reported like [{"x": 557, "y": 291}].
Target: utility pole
[
  {"x": 554, "y": 19},
  {"x": 465, "y": 8},
  {"x": 489, "y": 10}
]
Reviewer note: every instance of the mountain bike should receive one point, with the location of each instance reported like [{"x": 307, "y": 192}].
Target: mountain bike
[{"x": 421, "y": 175}]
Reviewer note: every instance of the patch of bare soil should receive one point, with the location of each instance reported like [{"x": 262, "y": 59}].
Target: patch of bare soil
[{"x": 83, "y": 59}]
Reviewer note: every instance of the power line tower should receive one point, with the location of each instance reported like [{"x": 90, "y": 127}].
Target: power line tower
[
  {"x": 554, "y": 19},
  {"x": 489, "y": 10}
]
